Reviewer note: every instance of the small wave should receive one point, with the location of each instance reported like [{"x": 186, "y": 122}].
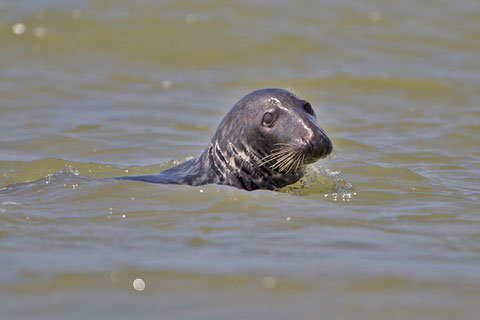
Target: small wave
[
  {"x": 65, "y": 174},
  {"x": 67, "y": 171}
]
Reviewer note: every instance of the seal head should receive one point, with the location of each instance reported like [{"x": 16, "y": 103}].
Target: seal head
[{"x": 264, "y": 142}]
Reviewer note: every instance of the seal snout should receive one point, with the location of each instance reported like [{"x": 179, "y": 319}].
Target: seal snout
[
  {"x": 318, "y": 146},
  {"x": 328, "y": 147}
]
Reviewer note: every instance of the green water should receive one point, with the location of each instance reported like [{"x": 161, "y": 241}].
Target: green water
[{"x": 387, "y": 227}]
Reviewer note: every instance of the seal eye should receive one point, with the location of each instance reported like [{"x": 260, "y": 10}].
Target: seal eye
[
  {"x": 268, "y": 119},
  {"x": 308, "y": 108}
]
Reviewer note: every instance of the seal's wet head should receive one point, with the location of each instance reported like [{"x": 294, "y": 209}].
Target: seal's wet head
[
  {"x": 277, "y": 129},
  {"x": 264, "y": 142}
]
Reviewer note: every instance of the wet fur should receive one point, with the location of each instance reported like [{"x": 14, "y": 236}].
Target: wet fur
[{"x": 247, "y": 154}]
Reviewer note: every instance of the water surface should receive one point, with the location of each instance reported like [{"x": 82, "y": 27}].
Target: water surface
[{"x": 387, "y": 227}]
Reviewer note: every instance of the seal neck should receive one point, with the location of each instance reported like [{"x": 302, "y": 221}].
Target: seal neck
[{"x": 238, "y": 166}]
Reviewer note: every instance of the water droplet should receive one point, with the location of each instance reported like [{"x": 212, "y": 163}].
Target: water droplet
[
  {"x": 18, "y": 28},
  {"x": 139, "y": 284},
  {"x": 269, "y": 282}
]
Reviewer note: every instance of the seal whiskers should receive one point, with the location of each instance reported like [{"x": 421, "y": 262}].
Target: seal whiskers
[{"x": 287, "y": 158}]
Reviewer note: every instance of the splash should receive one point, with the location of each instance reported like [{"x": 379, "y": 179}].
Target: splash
[
  {"x": 67, "y": 171},
  {"x": 320, "y": 180}
]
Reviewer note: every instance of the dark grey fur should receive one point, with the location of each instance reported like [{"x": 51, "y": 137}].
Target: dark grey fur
[{"x": 240, "y": 153}]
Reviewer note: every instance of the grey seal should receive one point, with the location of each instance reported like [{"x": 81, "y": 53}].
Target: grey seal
[{"x": 264, "y": 142}]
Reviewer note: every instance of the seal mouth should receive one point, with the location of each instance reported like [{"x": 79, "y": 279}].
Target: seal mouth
[{"x": 290, "y": 158}]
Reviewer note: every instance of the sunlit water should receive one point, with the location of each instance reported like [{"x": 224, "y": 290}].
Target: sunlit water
[{"x": 387, "y": 227}]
